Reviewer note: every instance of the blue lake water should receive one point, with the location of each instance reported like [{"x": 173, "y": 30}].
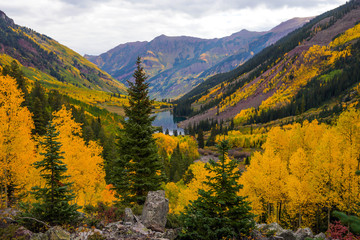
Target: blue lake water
[{"x": 166, "y": 120}]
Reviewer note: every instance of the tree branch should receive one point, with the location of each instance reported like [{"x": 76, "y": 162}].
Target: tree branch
[{"x": 10, "y": 219}]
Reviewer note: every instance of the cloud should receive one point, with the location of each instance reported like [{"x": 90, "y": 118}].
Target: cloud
[
  {"x": 200, "y": 8},
  {"x": 95, "y": 26}
]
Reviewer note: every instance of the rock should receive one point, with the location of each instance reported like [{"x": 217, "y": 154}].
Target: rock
[
  {"x": 303, "y": 233},
  {"x": 57, "y": 233},
  {"x": 276, "y": 238},
  {"x": 271, "y": 229},
  {"x": 155, "y": 211},
  {"x": 257, "y": 235},
  {"x": 171, "y": 234},
  {"x": 85, "y": 233},
  {"x": 129, "y": 216},
  {"x": 23, "y": 233},
  {"x": 320, "y": 236},
  {"x": 39, "y": 236},
  {"x": 140, "y": 228},
  {"x": 287, "y": 235},
  {"x": 114, "y": 226}
]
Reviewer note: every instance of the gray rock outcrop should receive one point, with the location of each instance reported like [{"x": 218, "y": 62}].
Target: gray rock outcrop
[
  {"x": 155, "y": 211},
  {"x": 287, "y": 235},
  {"x": 54, "y": 233},
  {"x": 303, "y": 233},
  {"x": 129, "y": 216}
]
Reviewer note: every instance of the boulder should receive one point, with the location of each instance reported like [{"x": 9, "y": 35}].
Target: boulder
[
  {"x": 38, "y": 236},
  {"x": 269, "y": 229},
  {"x": 23, "y": 233},
  {"x": 86, "y": 233},
  {"x": 287, "y": 235},
  {"x": 320, "y": 236},
  {"x": 57, "y": 233},
  {"x": 303, "y": 233},
  {"x": 171, "y": 234},
  {"x": 155, "y": 211},
  {"x": 129, "y": 216},
  {"x": 257, "y": 235}
]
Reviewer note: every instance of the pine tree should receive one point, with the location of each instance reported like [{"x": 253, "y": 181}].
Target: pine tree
[
  {"x": 212, "y": 137},
  {"x": 176, "y": 165},
  {"x": 138, "y": 168},
  {"x": 200, "y": 139},
  {"x": 53, "y": 199},
  {"x": 219, "y": 213}
]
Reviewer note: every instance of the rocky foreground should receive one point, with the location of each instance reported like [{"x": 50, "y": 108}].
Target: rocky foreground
[{"x": 150, "y": 225}]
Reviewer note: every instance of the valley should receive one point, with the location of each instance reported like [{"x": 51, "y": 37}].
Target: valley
[{"x": 237, "y": 137}]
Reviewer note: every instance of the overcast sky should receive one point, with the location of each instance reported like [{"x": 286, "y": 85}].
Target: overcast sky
[{"x": 96, "y": 26}]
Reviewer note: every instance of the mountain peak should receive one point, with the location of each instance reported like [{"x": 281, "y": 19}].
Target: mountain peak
[
  {"x": 6, "y": 19},
  {"x": 291, "y": 24}
]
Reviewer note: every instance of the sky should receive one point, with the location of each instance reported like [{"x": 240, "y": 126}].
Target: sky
[{"x": 96, "y": 26}]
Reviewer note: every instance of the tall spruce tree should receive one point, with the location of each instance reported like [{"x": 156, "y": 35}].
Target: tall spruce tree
[
  {"x": 200, "y": 138},
  {"x": 219, "y": 213},
  {"x": 53, "y": 199},
  {"x": 138, "y": 169}
]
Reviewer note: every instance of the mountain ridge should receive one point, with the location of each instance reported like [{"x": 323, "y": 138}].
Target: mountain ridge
[{"x": 176, "y": 64}]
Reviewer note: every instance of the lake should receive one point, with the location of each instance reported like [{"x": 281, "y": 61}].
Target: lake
[{"x": 166, "y": 120}]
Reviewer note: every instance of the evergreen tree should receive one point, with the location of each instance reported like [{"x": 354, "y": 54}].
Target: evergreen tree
[
  {"x": 219, "y": 213},
  {"x": 53, "y": 199},
  {"x": 176, "y": 165},
  {"x": 138, "y": 169},
  {"x": 212, "y": 137},
  {"x": 200, "y": 139}
]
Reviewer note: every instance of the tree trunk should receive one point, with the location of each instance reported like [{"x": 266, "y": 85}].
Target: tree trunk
[
  {"x": 329, "y": 210},
  {"x": 6, "y": 190}
]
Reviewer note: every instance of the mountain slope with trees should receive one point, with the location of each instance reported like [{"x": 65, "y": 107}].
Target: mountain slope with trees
[
  {"x": 45, "y": 56},
  {"x": 303, "y": 70}
]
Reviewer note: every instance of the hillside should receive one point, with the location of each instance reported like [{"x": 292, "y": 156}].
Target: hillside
[
  {"x": 176, "y": 65},
  {"x": 53, "y": 63},
  {"x": 310, "y": 68}
]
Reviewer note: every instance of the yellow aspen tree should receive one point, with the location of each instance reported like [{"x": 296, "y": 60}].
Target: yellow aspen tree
[
  {"x": 348, "y": 130},
  {"x": 17, "y": 149},
  {"x": 300, "y": 191},
  {"x": 269, "y": 187},
  {"x": 83, "y": 160},
  {"x": 181, "y": 194},
  {"x": 166, "y": 144},
  {"x": 326, "y": 171},
  {"x": 348, "y": 126}
]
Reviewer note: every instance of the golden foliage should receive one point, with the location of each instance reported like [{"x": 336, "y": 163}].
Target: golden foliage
[
  {"x": 304, "y": 168},
  {"x": 166, "y": 145},
  {"x": 181, "y": 194},
  {"x": 17, "y": 149},
  {"x": 288, "y": 76},
  {"x": 84, "y": 161}
]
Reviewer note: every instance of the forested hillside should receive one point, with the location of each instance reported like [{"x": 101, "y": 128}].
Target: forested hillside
[
  {"x": 270, "y": 151},
  {"x": 307, "y": 68},
  {"x": 55, "y": 65}
]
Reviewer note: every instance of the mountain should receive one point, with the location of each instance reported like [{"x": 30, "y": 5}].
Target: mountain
[
  {"x": 176, "y": 65},
  {"x": 43, "y": 58},
  {"x": 310, "y": 73}
]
